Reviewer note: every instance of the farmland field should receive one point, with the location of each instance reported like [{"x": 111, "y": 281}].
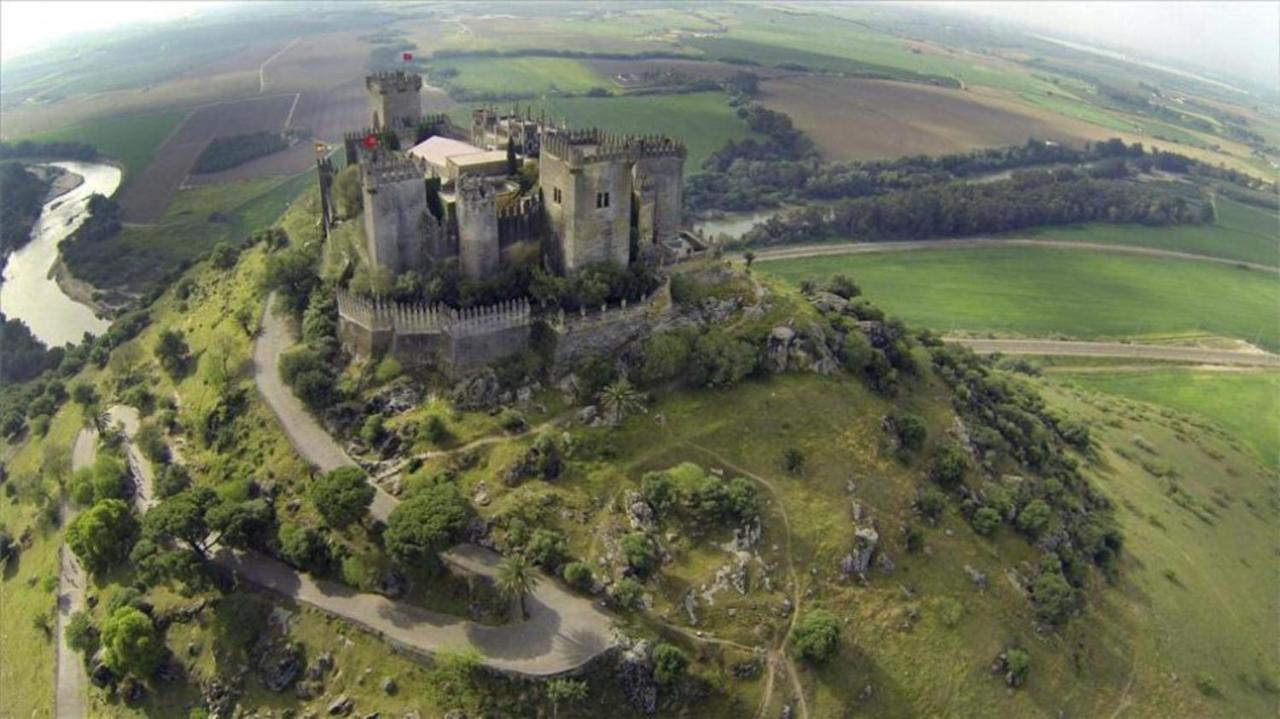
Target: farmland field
[
  {"x": 131, "y": 140},
  {"x": 854, "y": 119},
  {"x": 1246, "y": 404},
  {"x": 146, "y": 198},
  {"x": 1243, "y": 233},
  {"x": 1055, "y": 292},
  {"x": 519, "y": 75}
]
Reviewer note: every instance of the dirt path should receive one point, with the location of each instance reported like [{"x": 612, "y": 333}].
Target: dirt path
[
  {"x": 262, "y": 69},
  {"x": 857, "y": 248},
  {"x": 563, "y": 632},
  {"x": 71, "y": 685},
  {"x": 1119, "y": 349}
]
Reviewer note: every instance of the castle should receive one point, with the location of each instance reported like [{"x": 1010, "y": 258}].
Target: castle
[{"x": 462, "y": 195}]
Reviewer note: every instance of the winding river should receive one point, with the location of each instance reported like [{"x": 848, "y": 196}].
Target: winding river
[{"x": 30, "y": 292}]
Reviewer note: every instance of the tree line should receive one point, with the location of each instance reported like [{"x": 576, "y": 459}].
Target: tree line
[
  {"x": 224, "y": 153},
  {"x": 958, "y": 209},
  {"x": 23, "y": 194},
  {"x": 68, "y": 150}
]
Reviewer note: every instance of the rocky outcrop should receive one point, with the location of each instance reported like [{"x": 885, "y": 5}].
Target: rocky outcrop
[
  {"x": 789, "y": 350},
  {"x": 279, "y": 665},
  {"x": 635, "y": 675},
  {"x": 479, "y": 391},
  {"x": 858, "y": 561}
]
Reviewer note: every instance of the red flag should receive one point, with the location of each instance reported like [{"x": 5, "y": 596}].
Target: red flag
[
  {"x": 408, "y": 57},
  {"x": 370, "y": 141}
]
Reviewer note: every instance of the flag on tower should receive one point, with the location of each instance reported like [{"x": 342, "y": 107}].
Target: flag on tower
[
  {"x": 371, "y": 141},
  {"x": 408, "y": 56}
]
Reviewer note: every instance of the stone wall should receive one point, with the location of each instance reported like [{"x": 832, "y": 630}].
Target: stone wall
[{"x": 605, "y": 331}]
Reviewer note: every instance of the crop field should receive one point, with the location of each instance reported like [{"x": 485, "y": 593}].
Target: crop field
[
  {"x": 702, "y": 120},
  {"x": 1246, "y": 403},
  {"x": 143, "y": 254},
  {"x": 131, "y": 140},
  {"x": 146, "y": 198},
  {"x": 1242, "y": 232},
  {"x": 519, "y": 75},
  {"x": 854, "y": 119},
  {"x": 1056, "y": 292}
]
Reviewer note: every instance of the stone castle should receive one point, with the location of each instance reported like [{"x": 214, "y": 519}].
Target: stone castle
[{"x": 462, "y": 195}]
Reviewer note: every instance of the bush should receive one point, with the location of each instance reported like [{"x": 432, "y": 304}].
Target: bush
[
  {"x": 1052, "y": 597},
  {"x": 361, "y": 572},
  {"x": 950, "y": 612},
  {"x": 150, "y": 439},
  {"x": 1018, "y": 666},
  {"x": 626, "y": 592},
  {"x": 793, "y": 460},
  {"x": 373, "y": 431},
  {"x": 131, "y": 644},
  {"x": 930, "y": 503},
  {"x": 1034, "y": 517},
  {"x": 435, "y": 431},
  {"x": 102, "y": 535},
  {"x": 342, "y": 496},
  {"x": 81, "y": 635},
  {"x": 578, "y": 575},
  {"x": 657, "y": 490},
  {"x": 948, "y": 466},
  {"x": 546, "y": 549},
  {"x": 843, "y": 286},
  {"x": 910, "y": 430},
  {"x": 425, "y": 523},
  {"x": 669, "y": 664},
  {"x": 170, "y": 480},
  {"x": 303, "y": 547},
  {"x": 388, "y": 369},
  {"x": 817, "y": 636},
  {"x": 985, "y": 521},
  {"x": 638, "y": 553}
]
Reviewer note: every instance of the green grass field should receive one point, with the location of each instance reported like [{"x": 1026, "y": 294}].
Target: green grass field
[
  {"x": 141, "y": 255},
  {"x": 1056, "y": 292},
  {"x": 521, "y": 75},
  {"x": 1246, "y": 404},
  {"x": 131, "y": 140},
  {"x": 1242, "y": 232}
]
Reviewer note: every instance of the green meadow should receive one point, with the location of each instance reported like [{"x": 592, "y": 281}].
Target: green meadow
[
  {"x": 131, "y": 140},
  {"x": 520, "y": 75},
  {"x": 1056, "y": 292}
]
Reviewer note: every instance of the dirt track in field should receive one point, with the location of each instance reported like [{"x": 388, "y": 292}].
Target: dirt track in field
[{"x": 855, "y": 119}]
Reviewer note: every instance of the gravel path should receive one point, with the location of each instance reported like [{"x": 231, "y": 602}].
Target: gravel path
[
  {"x": 71, "y": 686},
  {"x": 856, "y": 248},
  {"x": 563, "y": 631},
  {"x": 1121, "y": 350}
]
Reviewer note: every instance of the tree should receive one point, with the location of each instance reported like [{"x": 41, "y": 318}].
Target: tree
[
  {"x": 172, "y": 352},
  {"x": 426, "y": 523},
  {"x": 986, "y": 521},
  {"x": 546, "y": 548},
  {"x": 1052, "y": 597},
  {"x": 347, "y": 192},
  {"x": 81, "y": 635},
  {"x": 948, "y": 466},
  {"x": 750, "y": 257},
  {"x": 223, "y": 362},
  {"x": 170, "y": 480},
  {"x": 103, "y": 534},
  {"x": 224, "y": 256},
  {"x": 1034, "y": 517},
  {"x": 619, "y": 398},
  {"x": 302, "y": 546},
  {"x": 564, "y": 691},
  {"x": 816, "y": 636},
  {"x": 793, "y": 460},
  {"x": 516, "y": 578},
  {"x": 131, "y": 644},
  {"x": 910, "y": 429},
  {"x": 181, "y": 519},
  {"x": 669, "y": 664},
  {"x": 638, "y": 552},
  {"x": 342, "y": 496},
  {"x": 292, "y": 274},
  {"x": 83, "y": 394},
  {"x": 578, "y": 575},
  {"x": 665, "y": 357}
]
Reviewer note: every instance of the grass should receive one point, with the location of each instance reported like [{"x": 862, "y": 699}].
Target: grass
[
  {"x": 198, "y": 219},
  {"x": 1056, "y": 292},
  {"x": 131, "y": 140},
  {"x": 1242, "y": 232},
  {"x": 521, "y": 75},
  {"x": 1246, "y": 404}
]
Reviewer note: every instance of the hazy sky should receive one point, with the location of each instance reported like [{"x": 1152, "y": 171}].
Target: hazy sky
[{"x": 1239, "y": 38}]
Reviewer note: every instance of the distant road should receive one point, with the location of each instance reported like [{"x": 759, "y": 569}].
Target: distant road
[
  {"x": 853, "y": 248},
  {"x": 1120, "y": 350}
]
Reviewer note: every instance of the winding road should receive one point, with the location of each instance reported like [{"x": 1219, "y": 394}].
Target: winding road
[
  {"x": 71, "y": 684},
  {"x": 563, "y": 631}
]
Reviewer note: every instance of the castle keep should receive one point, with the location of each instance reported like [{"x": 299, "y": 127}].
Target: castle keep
[{"x": 454, "y": 195}]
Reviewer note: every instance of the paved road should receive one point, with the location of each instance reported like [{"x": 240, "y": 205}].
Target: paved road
[
  {"x": 71, "y": 686},
  {"x": 563, "y": 632},
  {"x": 1121, "y": 350},
  {"x": 855, "y": 248}
]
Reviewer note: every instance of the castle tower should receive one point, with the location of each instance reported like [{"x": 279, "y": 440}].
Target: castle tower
[
  {"x": 657, "y": 187},
  {"x": 326, "y": 174},
  {"x": 477, "y": 214},
  {"x": 396, "y": 103},
  {"x": 586, "y": 188},
  {"x": 395, "y": 212}
]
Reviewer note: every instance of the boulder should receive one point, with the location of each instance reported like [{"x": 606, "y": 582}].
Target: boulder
[
  {"x": 778, "y": 348},
  {"x": 639, "y": 513},
  {"x": 389, "y": 685},
  {"x": 279, "y": 666},
  {"x": 977, "y": 577},
  {"x": 341, "y": 706},
  {"x": 828, "y": 302},
  {"x": 865, "y": 541}
]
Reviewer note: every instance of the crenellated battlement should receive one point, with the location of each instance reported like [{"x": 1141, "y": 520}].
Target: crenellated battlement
[
  {"x": 393, "y": 81},
  {"x": 390, "y": 169},
  {"x": 577, "y": 147},
  {"x": 417, "y": 318}
]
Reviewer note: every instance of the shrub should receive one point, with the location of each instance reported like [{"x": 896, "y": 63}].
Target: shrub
[
  {"x": 843, "y": 286},
  {"x": 170, "y": 480},
  {"x": 435, "y": 431},
  {"x": 626, "y": 592},
  {"x": 950, "y": 612},
  {"x": 342, "y": 496},
  {"x": 985, "y": 521},
  {"x": 1018, "y": 666},
  {"x": 669, "y": 664},
  {"x": 1052, "y": 597},
  {"x": 546, "y": 549},
  {"x": 948, "y": 466},
  {"x": 150, "y": 439},
  {"x": 657, "y": 490},
  {"x": 793, "y": 460},
  {"x": 360, "y": 572},
  {"x": 816, "y": 636},
  {"x": 1207, "y": 685},
  {"x": 373, "y": 430},
  {"x": 388, "y": 369},
  {"x": 930, "y": 503},
  {"x": 910, "y": 430},
  {"x": 578, "y": 575},
  {"x": 512, "y": 421},
  {"x": 425, "y": 523},
  {"x": 303, "y": 547},
  {"x": 913, "y": 538},
  {"x": 638, "y": 553},
  {"x": 1034, "y": 517},
  {"x": 103, "y": 534},
  {"x": 81, "y": 635},
  {"x": 131, "y": 644}
]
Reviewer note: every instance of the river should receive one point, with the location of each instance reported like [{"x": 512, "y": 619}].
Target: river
[{"x": 30, "y": 292}]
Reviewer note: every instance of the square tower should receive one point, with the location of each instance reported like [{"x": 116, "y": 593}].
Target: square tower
[
  {"x": 395, "y": 99},
  {"x": 395, "y": 213},
  {"x": 586, "y": 189}
]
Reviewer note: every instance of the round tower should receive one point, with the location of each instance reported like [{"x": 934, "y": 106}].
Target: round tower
[{"x": 477, "y": 213}]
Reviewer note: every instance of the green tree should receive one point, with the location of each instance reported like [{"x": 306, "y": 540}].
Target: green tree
[
  {"x": 347, "y": 193},
  {"x": 172, "y": 352},
  {"x": 83, "y": 394},
  {"x": 224, "y": 256},
  {"x": 843, "y": 286},
  {"x": 426, "y": 523},
  {"x": 1034, "y": 517},
  {"x": 750, "y": 257},
  {"x": 102, "y": 535},
  {"x": 665, "y": 357},
  {"x": 182, "y": 520},
  {"x": 986, "y": 521},
  {"x": 302, "y": 546},
  {"x": 131, "y": 644},
  {"x": 578, "y": 575},
  {"x": 516, "y": 578},
  {"x": 1052, "y": 597},
  {"x": 816, "y": 636},
  {"x": 949, "y": 465},
  {"x": 669, "y": 664},
  {"x": 81, "y": 635},
  {"x": 292, "y": 274},
  {"x": 564, "y": 691},
  {"x": 910, "y": 429},
  {"x": 546, "y": 548},
  {"x": 1017, "y": 664},
  {"x": 342, "y": 496},
  {"x": 619, "y": 398},
  {"x": 638, "y": 552}
]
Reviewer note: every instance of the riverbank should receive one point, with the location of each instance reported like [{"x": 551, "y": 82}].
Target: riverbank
[
  {"x": 60, "y": 180},
  {"x": 80, "y": 291}
]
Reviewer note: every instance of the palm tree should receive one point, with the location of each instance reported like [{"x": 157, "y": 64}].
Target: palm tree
[
  {"x": 619, "y": 399},
  {"x": 516, "y": 578}
]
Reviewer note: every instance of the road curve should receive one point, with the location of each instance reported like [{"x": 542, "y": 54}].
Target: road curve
[
  {"x": 855, "y": 248},
  {"x": 1119, "y": 350},
  {"x": 563, "y": 632}
]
